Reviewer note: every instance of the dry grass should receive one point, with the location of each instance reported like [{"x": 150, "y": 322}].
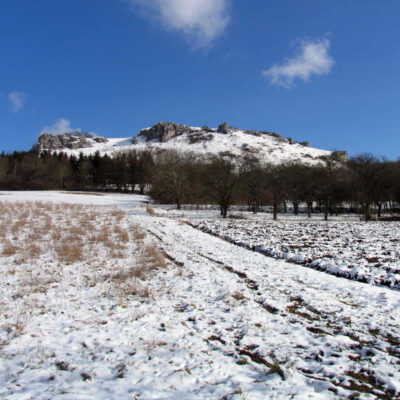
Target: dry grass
[
  {"x": 34, "y": 236},
  {"x": 9, "y": 249},
  {"x": 118, "y": 215},
  {"x": 70, "y": 252},
  {"x": 102, "y": 236},
  {"x": 17, "y": 227},
  {"x": 33, "y": 251},
  {"x": 121, "y": 233},
  {"x": 151, "y": 210},
  {"x": 124, "y": 236},
  {"x": 69, "y": 230},
  {"x": 238, "y": 296},
  {"x": 56, "y": 234},
  {"x": 153, "y": 256},
  {"x": 88, "y": 226},
  {"x": 76, "y": 231},
  {"x": 69, "y": 234},
  {"x": 3, "y": 229},
  {"x": 133, "y": 288},
  {"x": 129, "y": 282},
  {"x": 90, "y": 217},
  {"x": 117, "y": 253},
  {"x": 34, "y": 284},
  {"x": 150, "y": 259},
  {"x": 138, "y": 233}
]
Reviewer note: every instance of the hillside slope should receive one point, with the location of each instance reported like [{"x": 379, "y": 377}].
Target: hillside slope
[{"x": 267, "y": 146}]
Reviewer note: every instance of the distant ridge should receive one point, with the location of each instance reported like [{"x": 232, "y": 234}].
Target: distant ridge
[{"x": 266, "y": 146}]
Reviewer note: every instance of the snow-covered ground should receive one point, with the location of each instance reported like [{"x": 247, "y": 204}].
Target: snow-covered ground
[
  {"x": 265, "y": 147},
  {"x": 84, "y": 198},
  {"x": 152, "y": 308},
  {"x": 368, "y": 252}
]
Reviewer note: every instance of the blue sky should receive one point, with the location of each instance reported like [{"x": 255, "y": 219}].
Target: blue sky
[{"x": 323, "y": 71}]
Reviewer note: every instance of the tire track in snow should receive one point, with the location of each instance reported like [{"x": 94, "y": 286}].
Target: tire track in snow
[{"x": 193, "y": 247}]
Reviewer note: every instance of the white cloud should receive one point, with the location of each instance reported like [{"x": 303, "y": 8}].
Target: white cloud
[
  {"x": 201, "y": 21},
  {"x": 17, "y": 101},
  {"x": 312, "y": 59},
  {"x": 61, "y": 126}
]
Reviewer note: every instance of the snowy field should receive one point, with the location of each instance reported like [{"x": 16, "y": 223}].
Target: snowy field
[
  {"x": 103, "y": 299},
  {"x": 367, "y": 252}
]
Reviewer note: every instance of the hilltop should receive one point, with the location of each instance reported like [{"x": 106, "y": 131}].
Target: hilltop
[{"x": 265, "y": 145}]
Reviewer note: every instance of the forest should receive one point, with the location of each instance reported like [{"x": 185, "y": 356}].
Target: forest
[{"x": 364, "y": 184}]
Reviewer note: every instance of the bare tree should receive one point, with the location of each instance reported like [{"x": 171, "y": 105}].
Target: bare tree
[
  {"x": 171, "y": 180},
  {"x": 326, "y": 178},
  {"x": 293, "y": 173},
  {"x": 221, "y": 179},
  {"x": 366, "y": 174},
  {"x": 253, "y": 184},
  {"x": 308, "y": 186},
  {"x": 276, "y": 186}
]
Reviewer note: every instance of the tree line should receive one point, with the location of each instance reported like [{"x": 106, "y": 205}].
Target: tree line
[
  {"x": 45, "y": 171},
  {"x": 364, "y": 184}
]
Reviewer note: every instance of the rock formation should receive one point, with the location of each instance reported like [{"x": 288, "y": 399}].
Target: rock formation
[
  {"x": 226, "y": 128},
  {"x": 223, "y": 128},
  {"x": 340, "y": 156},
  {"x": 72, "y": 140},
  {"x": 225, "y": 140},
  {"x": 163, "y": 131}
]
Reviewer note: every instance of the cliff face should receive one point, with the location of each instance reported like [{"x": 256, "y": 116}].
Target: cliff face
[
  {"x": 340, "y": 156},
  {"x": 163, "y": 131},
  {"x": 72, "y": 141}
]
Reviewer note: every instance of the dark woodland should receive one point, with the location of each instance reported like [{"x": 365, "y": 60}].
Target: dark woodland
[{"x": 365, "y": 184}]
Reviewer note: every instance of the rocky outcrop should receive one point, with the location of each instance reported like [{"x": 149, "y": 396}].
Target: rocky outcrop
[
  {"x": 225, "y": 128},
  {"x": 225, "y": 141},
  {"x": 72, "y": 141},
  {"x": 340, "y": 156},
  {"x": 163, "y": 131},
  {"x": 200, "y": 136}
]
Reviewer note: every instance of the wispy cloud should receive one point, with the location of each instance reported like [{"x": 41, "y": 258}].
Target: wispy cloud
[
  {"x": 61, "y": 126},
  {"x": 312, "y": 59},
  {"x": 17, "y": 101},
  {"x": 200, "y": 21}
]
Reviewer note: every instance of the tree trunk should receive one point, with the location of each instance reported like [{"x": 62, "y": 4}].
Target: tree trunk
[
  {"x": 309, "y": 206},
  {"x": 275, "y": 217},
  {"x": 296, "y": 208},
  {"x": 379, "y": 209},
  {"x": 255, "y": 208},
  {"x": 367, "y": 211}
]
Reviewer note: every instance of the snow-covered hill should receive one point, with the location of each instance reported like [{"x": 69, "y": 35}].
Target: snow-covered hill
[{"x": 267, "y": 146}]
